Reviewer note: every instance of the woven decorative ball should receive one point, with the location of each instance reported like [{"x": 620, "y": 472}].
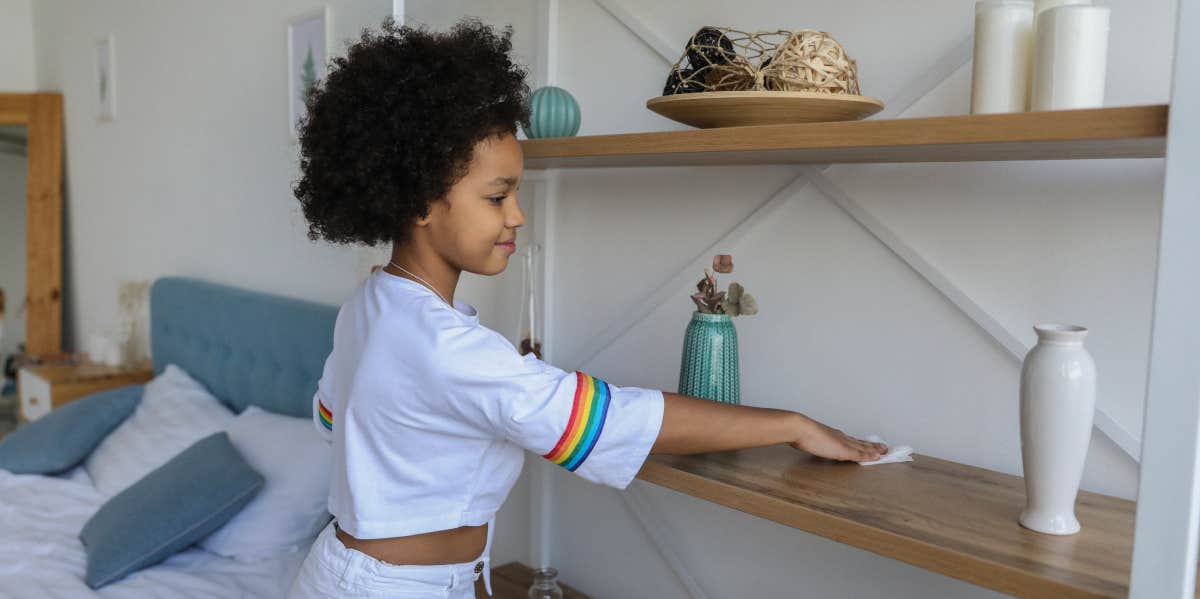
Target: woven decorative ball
[
  {"x": 812, "y": 61},
  {"x": 554, "y": 113},
  {"x": 725, "y": 59}
]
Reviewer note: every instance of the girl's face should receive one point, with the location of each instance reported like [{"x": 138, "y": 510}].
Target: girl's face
[{"x": 474, "y": 228}]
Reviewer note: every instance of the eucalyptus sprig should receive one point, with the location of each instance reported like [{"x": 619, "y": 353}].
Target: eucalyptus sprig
[{"x": 734, "y": 302}]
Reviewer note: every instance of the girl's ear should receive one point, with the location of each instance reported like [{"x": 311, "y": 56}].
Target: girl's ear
[{"x": 423, "y": 221}]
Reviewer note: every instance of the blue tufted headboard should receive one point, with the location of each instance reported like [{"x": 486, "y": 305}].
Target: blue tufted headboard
[{"x": 247, "y": 347}]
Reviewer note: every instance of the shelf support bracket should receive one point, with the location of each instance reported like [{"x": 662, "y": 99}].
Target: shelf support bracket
[{"x": 1164, "y": 547}]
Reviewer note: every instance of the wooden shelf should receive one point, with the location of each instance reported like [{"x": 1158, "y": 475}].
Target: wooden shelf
[
  {"x": 950, "y": 518},
  {"x": 512, "y": 581},
  {"x": 1124, "y": 132}
]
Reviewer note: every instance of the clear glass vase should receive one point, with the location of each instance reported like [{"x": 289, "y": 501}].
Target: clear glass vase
[{"x": 545, "y": 585}]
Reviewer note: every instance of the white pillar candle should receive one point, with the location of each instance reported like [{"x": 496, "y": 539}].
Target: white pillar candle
[
  {"x": 1003, "y": 46},
  {"x": 1072, "y": 58},
  {"x": 1041, "y": 6}
]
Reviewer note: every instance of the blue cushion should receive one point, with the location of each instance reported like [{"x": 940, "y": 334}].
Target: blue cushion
[
  {"x": 61, "y": 439},
  {"x": 169, "y": 509}
]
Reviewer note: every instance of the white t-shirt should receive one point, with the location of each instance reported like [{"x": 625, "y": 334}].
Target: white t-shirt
[{"x": 430, "y": 412}]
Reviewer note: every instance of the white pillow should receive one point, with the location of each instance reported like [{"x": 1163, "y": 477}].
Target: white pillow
[
  {"x": 175, "y": 412},
  {"x": 290, "y": 510}
]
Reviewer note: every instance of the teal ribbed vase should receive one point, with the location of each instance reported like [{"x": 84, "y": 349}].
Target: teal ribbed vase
[
  {"x": 709, "y": 367},
  {"x": 553, "y": 113}
]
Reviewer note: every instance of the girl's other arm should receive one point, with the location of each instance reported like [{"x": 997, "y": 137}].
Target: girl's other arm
[{"x": 694, "y": 425}]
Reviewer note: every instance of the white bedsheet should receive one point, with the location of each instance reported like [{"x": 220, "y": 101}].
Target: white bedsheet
[{"x": 41, "y": 555}]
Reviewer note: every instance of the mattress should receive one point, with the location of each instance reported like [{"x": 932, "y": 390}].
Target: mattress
[{"x": 41, "y": 555}]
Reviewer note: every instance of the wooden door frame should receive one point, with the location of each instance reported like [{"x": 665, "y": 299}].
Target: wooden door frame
[{"x": 42, "y": 115}]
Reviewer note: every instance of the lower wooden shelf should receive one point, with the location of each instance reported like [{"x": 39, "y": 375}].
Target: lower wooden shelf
[
  {"x": 942, "y": 516},
  {"x": 512, "y": 581}
]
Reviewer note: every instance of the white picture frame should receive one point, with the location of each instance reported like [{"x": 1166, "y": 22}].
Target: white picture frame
[
  {"x": 308, "y": 36},
  {"x": 105, "y": 80}
]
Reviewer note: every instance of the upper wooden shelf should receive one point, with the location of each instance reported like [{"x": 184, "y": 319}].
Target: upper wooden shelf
[
  {"x": 1123, "y": 132},
  {"x": 938, "y": 515}
]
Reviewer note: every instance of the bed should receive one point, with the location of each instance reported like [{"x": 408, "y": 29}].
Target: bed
[{"x": 247, "y": 348}]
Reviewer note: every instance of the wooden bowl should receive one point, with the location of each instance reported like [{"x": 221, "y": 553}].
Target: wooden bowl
[{"x": 738, "y": 109}]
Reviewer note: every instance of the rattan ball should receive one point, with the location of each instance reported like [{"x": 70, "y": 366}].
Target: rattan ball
[
  {"x": 726, "y": 59},
  {"x": 812, "y": 61}
]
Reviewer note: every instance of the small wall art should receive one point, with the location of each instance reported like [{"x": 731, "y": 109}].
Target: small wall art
[
  {"x": 106, "y": 81},
  {"x": 307, "y": 50}
]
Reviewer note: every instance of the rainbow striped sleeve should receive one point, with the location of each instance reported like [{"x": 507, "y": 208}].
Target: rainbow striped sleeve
[
  {"x": 326, "y": 415},
  {"x": 586, "y": 422}
]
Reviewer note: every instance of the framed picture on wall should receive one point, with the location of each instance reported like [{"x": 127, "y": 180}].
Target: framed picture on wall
[
  {"x": 106, "y": 81},
  {"x": 307, "y": 50}
]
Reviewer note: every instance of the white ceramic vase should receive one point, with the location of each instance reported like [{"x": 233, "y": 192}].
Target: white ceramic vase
[{"x": 1058, "y": 399}]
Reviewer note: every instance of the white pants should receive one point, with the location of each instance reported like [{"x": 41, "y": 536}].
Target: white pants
[{"x": 334, "y": 570}]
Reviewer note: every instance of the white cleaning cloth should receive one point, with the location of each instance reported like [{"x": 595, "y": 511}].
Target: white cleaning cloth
[{"x": 902, "y": 453}]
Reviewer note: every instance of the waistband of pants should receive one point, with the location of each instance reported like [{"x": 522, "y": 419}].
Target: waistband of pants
[{"x": 342, "y": 558}]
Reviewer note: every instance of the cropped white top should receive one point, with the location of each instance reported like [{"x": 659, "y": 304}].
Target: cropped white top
[{"x": 429, "y": 413}]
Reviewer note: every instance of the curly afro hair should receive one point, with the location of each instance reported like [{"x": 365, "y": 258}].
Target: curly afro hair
[{"x": 393, "y": 125}]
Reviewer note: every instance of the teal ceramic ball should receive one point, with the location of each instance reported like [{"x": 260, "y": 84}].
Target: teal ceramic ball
[{"x": 554, "y": 113}]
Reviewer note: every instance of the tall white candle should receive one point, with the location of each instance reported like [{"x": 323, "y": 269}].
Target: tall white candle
[
  {"x": 1041, "y": 6},
  {"x": 1003, "y": 47},
  {"x": 1072, "y": 58}
]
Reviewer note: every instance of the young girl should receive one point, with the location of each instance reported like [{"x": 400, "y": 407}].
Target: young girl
[{"x": 411, "y": 140}]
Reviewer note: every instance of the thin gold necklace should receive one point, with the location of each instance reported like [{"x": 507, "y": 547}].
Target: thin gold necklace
[{"x": 431, "y": 288}]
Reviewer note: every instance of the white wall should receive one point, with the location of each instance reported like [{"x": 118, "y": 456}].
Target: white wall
[
  {"x": 848, "y": 333},
  {"x": 193, "y": 177},
  {"x": 16, "y": 46}
]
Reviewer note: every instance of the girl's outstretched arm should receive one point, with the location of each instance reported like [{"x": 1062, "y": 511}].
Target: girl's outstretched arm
[{"x": 694, "y": 425}]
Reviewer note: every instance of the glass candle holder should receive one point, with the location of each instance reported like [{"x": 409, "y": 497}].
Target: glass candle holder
[{"x": 545, "y": 584}]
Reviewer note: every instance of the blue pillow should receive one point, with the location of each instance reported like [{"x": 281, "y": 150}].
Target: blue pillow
[
  {"x": 61, "y": 439},
  {"x": 169, "y": 509}
]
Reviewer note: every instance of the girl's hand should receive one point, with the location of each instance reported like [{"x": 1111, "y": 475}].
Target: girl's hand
[{"x": 826, "y": 442}]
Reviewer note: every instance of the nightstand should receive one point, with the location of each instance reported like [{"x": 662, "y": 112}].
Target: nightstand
[{"x": 43, "y": 388}]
